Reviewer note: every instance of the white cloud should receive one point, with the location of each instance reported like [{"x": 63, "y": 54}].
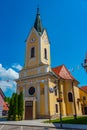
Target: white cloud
[
  {"x": 4, "y": 85},
  {"x": 11, "y": 74},
  {"x": 8, "y": 74},
  {"x": 7, "y": 79},
  {"x": 17, "y": 66}
]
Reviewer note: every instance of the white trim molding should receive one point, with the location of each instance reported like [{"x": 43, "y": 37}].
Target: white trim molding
[
  {"x": 46, "y": 98},
  {"x": 38, "y": 99}
]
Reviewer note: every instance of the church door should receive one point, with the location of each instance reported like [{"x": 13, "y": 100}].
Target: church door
[
  {"x": 28, "y": 110},
  {"x": 85, "y": 110}
]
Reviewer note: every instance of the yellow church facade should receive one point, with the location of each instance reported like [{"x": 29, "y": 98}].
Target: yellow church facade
[
  {"x": 83, "y": 99},
  {"x": 47, "y": 91}
]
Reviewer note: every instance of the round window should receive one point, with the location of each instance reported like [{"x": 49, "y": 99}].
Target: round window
[{"x": 31, "y": 90}]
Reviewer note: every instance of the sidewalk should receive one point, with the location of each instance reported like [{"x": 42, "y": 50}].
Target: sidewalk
[{"x": 40, "y": 123}]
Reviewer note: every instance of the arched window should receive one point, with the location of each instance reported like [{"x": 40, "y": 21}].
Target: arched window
[
  {"x": 56, "y": 106},
  {"x": 32, "y": 52},
  {"x": 70, "y": 97},
  {"x": 45, "y": 53}
]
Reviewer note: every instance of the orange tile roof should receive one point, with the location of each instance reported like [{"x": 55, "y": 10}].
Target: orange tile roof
[
  {"x": 63, "y": 72},
  {"x": 84, "y": 88}
]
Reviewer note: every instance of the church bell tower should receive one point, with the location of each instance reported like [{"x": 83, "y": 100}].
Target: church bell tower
[{"x": 37, "y": 45}]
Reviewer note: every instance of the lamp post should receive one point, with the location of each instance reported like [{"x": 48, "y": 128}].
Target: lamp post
[
  {"x": 58, "y": 83},
  {"x": 60, "y": 100},
  {"x": 75, "y": 113}
]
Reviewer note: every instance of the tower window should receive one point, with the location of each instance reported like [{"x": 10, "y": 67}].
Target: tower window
[
  {"x": 32, "y": 52},
  {"x": 84, "y": 98},
  {"x": 45, "y": 53},
  {"x": 56, "y": 107},
  {"x": 55, "y": 92},
  {"x": 70, "y": 97}
]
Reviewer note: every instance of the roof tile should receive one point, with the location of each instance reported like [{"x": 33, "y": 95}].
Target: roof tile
[
  {"x": 63, "y": 72},
  {"x": 84, "y": 88}
]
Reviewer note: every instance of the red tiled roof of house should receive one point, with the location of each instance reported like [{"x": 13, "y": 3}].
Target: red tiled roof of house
[
  {"x": 2, "y": 94},
  {"x": 63, "y": 72},
  {"x": 84, "y": 88}
]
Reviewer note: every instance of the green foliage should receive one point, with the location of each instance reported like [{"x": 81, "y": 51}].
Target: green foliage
[
  {"x": 16, "y": 107},
  {"x": 7, "y": 99},
  {"x": 71, "y": 120},
  {"x": 11, "y": 107},
  {"x": 20, "y": 105},
  {"x": 17, "y": 118}
]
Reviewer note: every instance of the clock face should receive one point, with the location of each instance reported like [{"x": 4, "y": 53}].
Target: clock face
[
  {"x": 31, "y": 90},
  {"x": 32, "y": 40},
  {"x": 45, "y": 40}
]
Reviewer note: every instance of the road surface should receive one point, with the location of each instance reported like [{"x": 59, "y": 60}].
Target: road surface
[{"x": 18, "y": 127}]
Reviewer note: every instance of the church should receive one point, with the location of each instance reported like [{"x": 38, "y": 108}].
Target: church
[{"x": 47, "y": 91}]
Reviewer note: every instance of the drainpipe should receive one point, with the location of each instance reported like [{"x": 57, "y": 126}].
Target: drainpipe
[{"x": 75, "y": 113}]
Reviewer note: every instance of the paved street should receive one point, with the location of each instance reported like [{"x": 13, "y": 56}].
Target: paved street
[
  {"x": 38, "y": 124},
  {"x": 14, "y": 127},
  {"x": 17, "y": 127}
]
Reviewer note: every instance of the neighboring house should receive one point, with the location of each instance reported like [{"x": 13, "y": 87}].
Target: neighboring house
[
  {"x": 5, "y": 109},
  {"x": 46, "y": 91},
  {"x": 83, "y": 99},
  {"x": 2, "y": 96}
]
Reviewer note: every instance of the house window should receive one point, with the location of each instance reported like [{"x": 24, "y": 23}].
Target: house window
[
  {"x": 32, "y": 52},
  {"x": 84, "y": 98},
  {"x": 45, "y": 53},
  {"x": 56, "y": 107},
  {"x": 70, "y": 97}
]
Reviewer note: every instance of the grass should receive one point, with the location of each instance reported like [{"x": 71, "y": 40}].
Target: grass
[{"x": 70, "y": 120}]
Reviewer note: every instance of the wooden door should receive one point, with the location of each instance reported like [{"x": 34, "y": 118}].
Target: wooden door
[
  {"x": 28, "y": 110},
  {"x": 85, "y": 110}
]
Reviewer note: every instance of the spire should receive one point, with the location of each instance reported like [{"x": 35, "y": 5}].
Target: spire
[{"x": 38, "y": 23}]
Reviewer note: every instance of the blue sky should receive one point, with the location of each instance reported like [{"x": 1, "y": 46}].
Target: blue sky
[{"x": 66, "y": 24}]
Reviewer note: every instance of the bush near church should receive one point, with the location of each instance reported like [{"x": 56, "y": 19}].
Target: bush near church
[{"x": 16, "y": 107}]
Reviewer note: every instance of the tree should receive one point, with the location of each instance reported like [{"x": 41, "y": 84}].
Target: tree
[
  {"x": 16, "y": 107},
  {"x": 11, "y": 107},
  {"x": 20, "y": 105},
  {"x": 7, "y": 99}
]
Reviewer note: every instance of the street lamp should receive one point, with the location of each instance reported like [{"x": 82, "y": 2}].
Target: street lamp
[
  {"x": 60, "y": 100},
  {"x": 75, "y": 113}
]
